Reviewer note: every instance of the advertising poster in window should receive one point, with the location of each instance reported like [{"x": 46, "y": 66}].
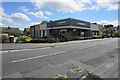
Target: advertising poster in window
[{"x": 82, "y": 34}]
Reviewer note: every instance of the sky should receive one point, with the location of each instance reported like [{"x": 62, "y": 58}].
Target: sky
[{"x": 24, "y": 14}]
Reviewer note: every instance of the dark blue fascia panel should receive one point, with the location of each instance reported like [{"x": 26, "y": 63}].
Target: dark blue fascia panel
[
  {"x": 57, "y": 24},
  {"x": 69, "y": 22},
  {"x": 79, "y": 23}
]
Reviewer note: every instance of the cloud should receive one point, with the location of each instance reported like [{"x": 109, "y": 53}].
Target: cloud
[
  {"x": 115, "y": 23},
  {"x": 107, "y": 4},
  {"x": 1, "y": 24},
  {"x": 48, "y": 13},
  {"x": 23, "y": 8},
  {"x": 9, "y": 21},
  {"x": 2, "y": 12},
  {"x": 7, "y": 18},
  {"x": 20, "y": 16},
  {"x": 61, "y": 5},
  {"x": 39, "y": 14},
  {"x": 32, "y": 23},
  {"x": 76, "y": 5},
  {"x": 86, "y": 1}
]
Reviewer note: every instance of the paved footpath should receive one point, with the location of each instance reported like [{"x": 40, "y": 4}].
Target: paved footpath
[{"x": 12, "y": 46}]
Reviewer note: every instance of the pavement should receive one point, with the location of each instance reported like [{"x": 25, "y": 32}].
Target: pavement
[
  {"x": 75, "y": 59},
  {"x": 21, "y": 46}
]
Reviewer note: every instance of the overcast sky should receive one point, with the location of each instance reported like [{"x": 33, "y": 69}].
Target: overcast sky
[{"x": 23, "y": 14}]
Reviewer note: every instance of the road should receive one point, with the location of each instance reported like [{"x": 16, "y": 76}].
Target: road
[{"x": 97, "y": 57}]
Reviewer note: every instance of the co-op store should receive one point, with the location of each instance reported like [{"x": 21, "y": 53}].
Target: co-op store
[{"x": 69, "y": 29}]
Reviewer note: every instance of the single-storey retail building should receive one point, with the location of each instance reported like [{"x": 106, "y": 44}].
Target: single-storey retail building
[{"x": 68, "y": 29}]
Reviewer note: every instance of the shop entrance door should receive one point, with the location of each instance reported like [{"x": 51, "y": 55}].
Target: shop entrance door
[{"x": 63, "y": 34}]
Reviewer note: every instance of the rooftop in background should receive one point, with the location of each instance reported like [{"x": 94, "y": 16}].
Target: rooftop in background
[{"x": 26, "y": 29}]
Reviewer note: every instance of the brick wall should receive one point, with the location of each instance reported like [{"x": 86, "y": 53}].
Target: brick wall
[
  {"x": 100, "y": 29},
  {"x": 37, "y": 31},
  {"x": 31, "y": 31}
]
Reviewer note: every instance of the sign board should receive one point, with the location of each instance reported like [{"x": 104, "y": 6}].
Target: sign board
[{"x": 69, "y": 22}]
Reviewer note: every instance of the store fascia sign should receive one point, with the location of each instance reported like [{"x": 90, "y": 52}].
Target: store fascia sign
[
  {"x": 63, "y": 22},
  {"x": 81, "y": 24}
]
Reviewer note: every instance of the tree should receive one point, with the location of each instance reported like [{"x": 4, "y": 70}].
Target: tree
[
  {"x": 44, "y": 22},
  {"x": 28, "y": 32},
  {"x": 107, "y": 26},
  {"x": 4, "y": 39}
]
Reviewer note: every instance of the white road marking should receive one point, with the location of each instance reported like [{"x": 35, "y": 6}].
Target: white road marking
[
  {"x": 38, "y": 57},
  {"x": 21, "y": 50}
]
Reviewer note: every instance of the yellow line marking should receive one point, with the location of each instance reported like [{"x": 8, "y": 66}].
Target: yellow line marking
[
  {"x": 58, "y": 76},
  {"x": 79, "y": 69}
]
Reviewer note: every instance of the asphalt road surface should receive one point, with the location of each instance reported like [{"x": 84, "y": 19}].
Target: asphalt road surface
[{"x": 97, "y": 57}]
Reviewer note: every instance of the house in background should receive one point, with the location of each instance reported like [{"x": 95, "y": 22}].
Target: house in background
[
  {"x": 10, "y": 31},
  {"x": 26, "y": 32},
  {"x": 109, "y": 30}
]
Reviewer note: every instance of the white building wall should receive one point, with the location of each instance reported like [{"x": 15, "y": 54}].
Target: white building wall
[{"x": 94, "y": 27}]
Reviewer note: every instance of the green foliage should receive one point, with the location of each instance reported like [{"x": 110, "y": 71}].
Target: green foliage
[
  {"x": 97, "y": 36},
  {"x": 107, "y": 26},
  {"x": 15, "y": 35},
  {"x": 39, "y": 40},
  {"x": 23, "y": 39},
  {"x": 61, "y": 40},
  {"x": 116, "y": 34},
  {"x": 27, "y": 39},
  {"x": 51, "y": 40},
  {"x": 4, "y": 39},
  {"x": 28, "y": 32},
  {"x": 19, "y": 40},
  {"x": 44, "y": 22}
]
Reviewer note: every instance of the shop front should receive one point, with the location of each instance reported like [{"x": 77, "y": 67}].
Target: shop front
[
  {"x": 69, "y": 29},
  {"x": 69, "y": 33}
]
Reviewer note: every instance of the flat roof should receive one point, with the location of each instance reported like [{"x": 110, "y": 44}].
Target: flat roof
[{"x": 69, "y": 19}]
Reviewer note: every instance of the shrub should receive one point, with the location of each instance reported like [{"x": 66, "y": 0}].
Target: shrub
[
  {"x": 23, "y": 39},
  {"x": 19, "y": 40},
  {"x": 96, "y": 36},
  {"x": 51, "y": 40},
  {"x": 116, "y": 34},
  {"x": 61, "y": 40},
  {"x": 27, "y": 39},
  {"x": 4, "y": 39},
  {"x": 39, "y": 40}
]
